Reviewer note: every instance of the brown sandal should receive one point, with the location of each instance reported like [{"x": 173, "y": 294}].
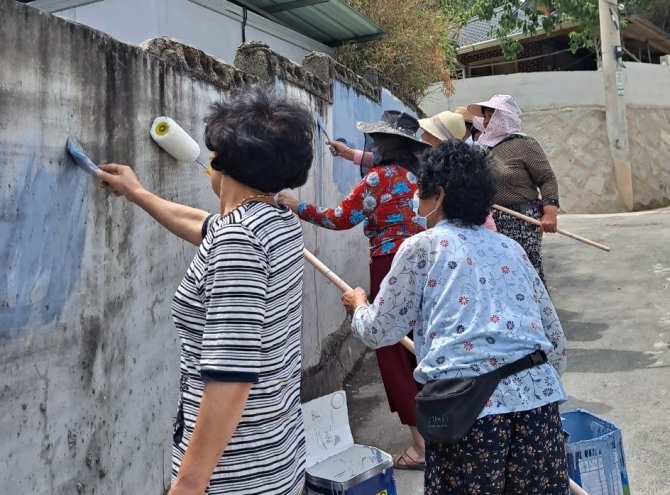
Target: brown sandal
[{"x": 407, "y": 462}]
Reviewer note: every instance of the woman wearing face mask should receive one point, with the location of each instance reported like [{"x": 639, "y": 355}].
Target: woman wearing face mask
[
  {"x": 383, "y": 200},
  {"x": 524, "y": 173},
  {"x": 474, "y": 304},
  {"x": 434, "y": 130}
]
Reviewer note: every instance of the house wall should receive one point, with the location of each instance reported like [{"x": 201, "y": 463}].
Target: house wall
[
  {"x": 565, "y": 112},
  {"x": 88, "y": 350},
  {"x": 214, "y": 26}
]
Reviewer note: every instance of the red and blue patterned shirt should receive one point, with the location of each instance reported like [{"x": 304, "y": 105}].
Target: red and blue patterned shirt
[{"x": 382, "y": 200}]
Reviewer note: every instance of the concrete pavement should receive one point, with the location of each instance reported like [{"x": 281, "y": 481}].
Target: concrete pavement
[{"x": 615, "y": 310}]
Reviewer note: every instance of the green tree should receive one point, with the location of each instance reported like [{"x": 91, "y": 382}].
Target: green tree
[
  {"x": 529, "y": 16},
  {"x": 416, "y": 51}
]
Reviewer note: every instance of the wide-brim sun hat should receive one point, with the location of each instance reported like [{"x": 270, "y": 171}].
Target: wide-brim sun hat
[
  {"x": 395, "y": 123},
  {"x": 467, "y": 116},
  {"x": 497, "y": 102},
  {"x": 444, "y": 125}
]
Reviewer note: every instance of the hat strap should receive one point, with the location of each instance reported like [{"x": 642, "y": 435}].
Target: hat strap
[{"x": 442, "y": 128}]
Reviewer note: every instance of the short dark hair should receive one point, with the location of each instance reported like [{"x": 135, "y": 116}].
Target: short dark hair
[
  {"x": 261, "y": 138},
  {"x": 465, "y": 174}
]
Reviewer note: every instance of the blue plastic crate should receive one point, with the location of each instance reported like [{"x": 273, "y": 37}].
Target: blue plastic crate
[
  {"x": 359, "y": 470},
  {"x": 595, "y": 454},
  {"x": 335, "y": 464}
]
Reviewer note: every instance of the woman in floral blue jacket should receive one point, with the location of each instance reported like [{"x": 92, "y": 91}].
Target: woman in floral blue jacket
[{"x": 474, "y": 303}]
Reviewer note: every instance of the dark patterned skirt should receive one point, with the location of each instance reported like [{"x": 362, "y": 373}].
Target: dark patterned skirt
[
  {"x": 396, "y": 364},
  {"x": 520, "y": 453},
  {"x": 525, "y": 233}
]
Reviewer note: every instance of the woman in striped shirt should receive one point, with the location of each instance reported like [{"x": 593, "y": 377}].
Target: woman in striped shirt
[{"x": 238, "y": 309}]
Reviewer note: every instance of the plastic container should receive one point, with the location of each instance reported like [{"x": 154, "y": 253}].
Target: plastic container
[
  {"x": 595, "y": 453},
  {"x": 335, "y": 465}
]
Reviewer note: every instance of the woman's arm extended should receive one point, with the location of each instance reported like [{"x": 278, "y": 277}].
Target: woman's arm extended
[{"x": 183, "y": 221}]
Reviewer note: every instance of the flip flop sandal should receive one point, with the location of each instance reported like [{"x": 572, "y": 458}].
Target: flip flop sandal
[{"x": 406, "y": 462}]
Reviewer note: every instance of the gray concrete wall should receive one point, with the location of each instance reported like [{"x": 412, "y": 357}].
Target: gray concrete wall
[
  {"x": 565, "y": 112},
  {"x": 214, "y": 26},
  {"x": 88, "y": 350}
]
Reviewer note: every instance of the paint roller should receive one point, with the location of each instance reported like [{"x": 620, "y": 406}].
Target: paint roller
[
  {"x": 175, "y": 141},
  {"x": 182, "y": 147}
]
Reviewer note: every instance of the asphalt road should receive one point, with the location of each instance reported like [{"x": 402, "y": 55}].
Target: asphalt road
[{"x": 615, "y": 310}]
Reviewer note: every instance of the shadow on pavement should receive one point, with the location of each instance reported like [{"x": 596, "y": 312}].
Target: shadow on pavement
[
  {"x": 577, "y": 330},
  {"x": 607, "y": 360}
]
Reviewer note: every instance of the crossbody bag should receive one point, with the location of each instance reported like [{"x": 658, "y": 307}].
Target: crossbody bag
[{"x": 446, "y": 409}]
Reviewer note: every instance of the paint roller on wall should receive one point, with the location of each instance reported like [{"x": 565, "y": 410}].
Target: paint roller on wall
[{"x": 175, "y": 141}]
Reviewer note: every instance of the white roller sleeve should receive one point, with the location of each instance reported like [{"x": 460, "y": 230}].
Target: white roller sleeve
[{"x": 173, "y": 139}]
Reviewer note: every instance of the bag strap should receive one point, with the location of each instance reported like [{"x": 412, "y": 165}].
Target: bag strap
[{"x": 534, "y": 359}]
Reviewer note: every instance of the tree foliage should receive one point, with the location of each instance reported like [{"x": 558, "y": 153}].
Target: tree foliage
[
  {"x": 528, "y": 17},
  {"x": 416, "y": 51}
]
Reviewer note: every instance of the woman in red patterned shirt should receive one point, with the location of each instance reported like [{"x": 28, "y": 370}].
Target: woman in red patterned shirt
[{"x": 383, "y": 201}]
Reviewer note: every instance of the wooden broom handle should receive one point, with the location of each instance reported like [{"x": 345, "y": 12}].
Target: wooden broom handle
[
  {"x": 576, "y": 489},
  {"x": 560, "y": 231},
  {"x": 344, "y": 287}
]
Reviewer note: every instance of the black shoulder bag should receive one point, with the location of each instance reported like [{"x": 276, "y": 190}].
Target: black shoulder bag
[{"x": 447, "y": 409}]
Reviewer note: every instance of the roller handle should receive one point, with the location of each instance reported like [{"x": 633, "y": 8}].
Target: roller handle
[
  {"x": 344, "y": 287},
  {"x": 576, "y": 489},
  {"x": 560, "y": 231}
]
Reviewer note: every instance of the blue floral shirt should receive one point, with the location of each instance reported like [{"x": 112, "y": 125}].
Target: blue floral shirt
[{"x": 474, "y": 303}]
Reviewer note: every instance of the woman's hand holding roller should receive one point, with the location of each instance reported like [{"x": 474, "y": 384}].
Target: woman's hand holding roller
[
  {"x": 354, "y": 298},
  {"x": 549, "y": 220},
  {"x": 338, "y": 148},
  {"x": 121, "y": 180}
]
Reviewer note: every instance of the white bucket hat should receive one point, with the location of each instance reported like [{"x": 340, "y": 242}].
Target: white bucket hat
[
  {"x": 497, "y": 102},
  {"x": 444, "y": 125}
]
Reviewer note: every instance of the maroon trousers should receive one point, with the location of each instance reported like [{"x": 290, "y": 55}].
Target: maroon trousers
[{"x": 396, "y": 364}]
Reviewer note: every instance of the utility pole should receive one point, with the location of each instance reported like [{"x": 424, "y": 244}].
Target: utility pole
[{"x": 615, "y": 104}]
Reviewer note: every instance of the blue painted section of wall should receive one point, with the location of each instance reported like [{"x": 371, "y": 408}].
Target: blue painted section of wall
[
  {"x": 350, "y": 107},
  {"x": 42, "y": 238}
]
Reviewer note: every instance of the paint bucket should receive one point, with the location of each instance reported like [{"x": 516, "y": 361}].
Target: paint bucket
[
  {"x": 335, "y": 465},
  {"x": 595, "y": 454}
]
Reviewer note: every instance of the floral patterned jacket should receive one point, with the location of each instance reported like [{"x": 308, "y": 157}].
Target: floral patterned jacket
[
  {"x": 474, "y": 303},
  {"x": 382, "y": 200}
]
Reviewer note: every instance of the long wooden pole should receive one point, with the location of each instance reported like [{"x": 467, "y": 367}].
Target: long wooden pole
[
  {"x": 560, "y": 231},
  {"x": 344, "y": 287}
]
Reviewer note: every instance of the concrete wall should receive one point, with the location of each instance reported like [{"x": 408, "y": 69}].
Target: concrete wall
[
  {"x": 88, "y": 350},
  {"x": 214, "y": 26},
  {"x": 565, "y": 112}
]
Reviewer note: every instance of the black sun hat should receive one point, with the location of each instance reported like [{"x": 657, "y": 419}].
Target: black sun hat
[{"x": 396, "y": 123}]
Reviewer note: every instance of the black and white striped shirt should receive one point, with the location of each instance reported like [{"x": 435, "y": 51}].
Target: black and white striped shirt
[{"x": 238, "y": 311}]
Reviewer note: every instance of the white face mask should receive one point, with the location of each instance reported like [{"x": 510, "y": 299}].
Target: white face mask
[{"x": 421, "y": 221}]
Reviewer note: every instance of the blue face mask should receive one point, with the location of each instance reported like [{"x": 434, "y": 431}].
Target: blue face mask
[{"x": 421, "y": 221}]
